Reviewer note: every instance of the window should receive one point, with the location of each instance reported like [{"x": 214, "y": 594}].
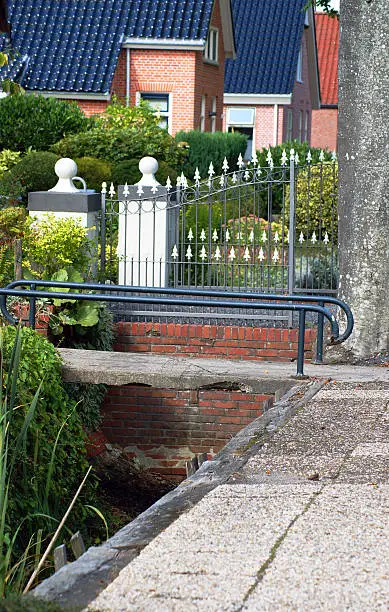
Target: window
[
  {"x": 306, "y": 126},
  {"x": 289, "y": 126},
  {"x": 301, "y": 126},
  {"x": 242, "y": 120},
  {"x": 211, "y": 48},
  {"x": 159, "y": 104},
  {"x": 213, "y": 114},
  {"x": 202, "y": 113},
  {"x": 299, "y": 75}
]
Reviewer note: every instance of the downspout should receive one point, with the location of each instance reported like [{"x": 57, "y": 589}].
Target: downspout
[
  {"x": 128, "y": 67},
  {"x": 275, "y": 134}
]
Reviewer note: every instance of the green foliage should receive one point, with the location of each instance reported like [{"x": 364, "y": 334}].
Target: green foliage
[
  {"x": 99, "y": 337},
  {"x": 52, "y": 244},
  {"x": 45, "y": 449},
  {"x": 128, "y": 172},
  {"x": 123, "y": 133},
  {"x": 35, "y": 122},
  {"x": 35, "y": 172},
  {"x": 8, "y": 159},
  {"x": 93, "y": 171},
  {"x": 317, "y": 197},
  {"x": 205, "y": 147},
  {"x": 28, "y": 603}
]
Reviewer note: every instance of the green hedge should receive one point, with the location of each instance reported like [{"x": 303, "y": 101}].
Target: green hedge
[
  {"x": 34, "y": 122},
  {"x": 34, "y": 172},
  {"x": 205, "y": 147}
]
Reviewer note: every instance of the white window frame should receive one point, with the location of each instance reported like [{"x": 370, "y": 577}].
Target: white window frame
[
  {"x": 211, "y": 51},
  {"x": 243, "y": 124},
  {"x": 214, "y": 114},
  {"x": 202, "y": 112},
  {"x": 168, "y": 113},
  {"x": 299, "y": 72},
  {"x": 289, "y": 126}
]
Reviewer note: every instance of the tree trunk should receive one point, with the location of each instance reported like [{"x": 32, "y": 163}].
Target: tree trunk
[{"x": 364, "y": 172}]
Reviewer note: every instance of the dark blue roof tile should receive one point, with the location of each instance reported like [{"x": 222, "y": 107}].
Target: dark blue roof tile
[
  {"x": 74, "y": 45},
  {"x": 268, "y": 36}
]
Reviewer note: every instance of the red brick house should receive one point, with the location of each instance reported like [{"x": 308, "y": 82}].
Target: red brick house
[
  {"x": 169, "y": 52},
  {"x": 325, "y": 120},
  {"x": 272, "y": 86}
]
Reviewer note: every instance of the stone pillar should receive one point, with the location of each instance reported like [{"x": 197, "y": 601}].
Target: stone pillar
[
  {"x": 65, "y": 201},
  {"x": 145, "y": 224}
]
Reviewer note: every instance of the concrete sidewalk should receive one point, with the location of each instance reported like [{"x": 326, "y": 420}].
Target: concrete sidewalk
[{"x": 301, "y": 524}]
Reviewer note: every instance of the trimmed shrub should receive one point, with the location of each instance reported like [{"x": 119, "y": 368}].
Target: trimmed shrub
[
  {"x": 35, "y": 172},
  {"x": 94, "y": 171},
  {"x": 301, "y": 148},
  {"x": 35, "y": 122},
  {"x": 205, "y": 147},
  {"x": 8, "y": 159}
]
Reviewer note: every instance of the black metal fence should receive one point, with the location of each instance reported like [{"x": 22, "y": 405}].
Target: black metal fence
[{"x": 260, "y": 229}]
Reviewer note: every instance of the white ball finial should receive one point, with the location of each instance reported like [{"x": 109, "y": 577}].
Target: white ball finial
[
  {"x": 148, "y": 167},
  {"x": 66, "y": 170}
]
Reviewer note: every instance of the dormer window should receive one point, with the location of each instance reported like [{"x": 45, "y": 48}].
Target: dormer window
[{"x": 211, "y": 48}]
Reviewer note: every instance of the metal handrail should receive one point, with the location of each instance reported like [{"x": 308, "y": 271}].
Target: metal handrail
[{"x": 273, "y": 302}]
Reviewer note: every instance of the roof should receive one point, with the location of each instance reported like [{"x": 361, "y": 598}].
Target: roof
[
  {"x": 268, "y": 36},
  {"x": 188, "y": 20},
  {"x": 327, "y": 36},
  {"x": 74, "y": 45}
]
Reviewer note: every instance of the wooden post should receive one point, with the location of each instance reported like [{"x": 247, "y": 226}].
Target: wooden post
[
  {"x": 60, "y": 558},
  {"x": 77, "y": 544}
]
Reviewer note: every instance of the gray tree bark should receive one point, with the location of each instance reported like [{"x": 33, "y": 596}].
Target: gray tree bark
[{"x": 364, "y": 171}]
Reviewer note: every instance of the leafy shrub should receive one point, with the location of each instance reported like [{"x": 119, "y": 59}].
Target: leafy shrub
[
  {"x": 8, "y": 159},
  {"x": 128, "y": 172},
  {"x": 123, "y": 133},
  {"x": 205, "y": 147},
  {"x": 43, "y": 482},
  {"x": 317, "y": 197},
  {"x": 35, "y": 122},
  {"x": 35, "y": 172},
  {"x": 52, "y": 244},
  {"x": 93, "y": 171}
]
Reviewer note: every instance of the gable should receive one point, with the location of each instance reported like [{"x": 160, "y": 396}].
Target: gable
[{"x": 268, "y": 36}]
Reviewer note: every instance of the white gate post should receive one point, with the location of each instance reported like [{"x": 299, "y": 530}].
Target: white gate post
[{"x": 143, "y": 230}]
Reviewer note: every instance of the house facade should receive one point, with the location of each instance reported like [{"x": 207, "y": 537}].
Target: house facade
[
  {"x": 168, "y": 52},
  {"x": 272, "y": 86},
  {"x": 325, "y": 120}
]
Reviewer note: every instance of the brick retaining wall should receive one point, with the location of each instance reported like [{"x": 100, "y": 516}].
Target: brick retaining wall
[
  {"x": 164, "y": 428},
  {"x": 231, "y": 342}
]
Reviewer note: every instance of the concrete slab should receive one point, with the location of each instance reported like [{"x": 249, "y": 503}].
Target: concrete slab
[
  {"x": 228, "y": 537},
  {"x": 335, "y": 557},
  {"x": 182, "y": 372}
]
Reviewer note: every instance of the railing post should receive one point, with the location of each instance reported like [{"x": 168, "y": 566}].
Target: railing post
[
  {"x": 301, "y": 343},
  {"x": 320, "y": 336},
  {"x": 103, "y": 230},
  {"x": 32, "y": 313},
  {"x": 292, "y": 213}
]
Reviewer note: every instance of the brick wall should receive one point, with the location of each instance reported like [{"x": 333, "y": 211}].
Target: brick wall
[
  {"x": 183, "y": 74},
  {"x": 92, "y": 107},
  {"x": 231, "y": 342},
  {"x": 164, "y": 428},
  {"x": 325, "y": 128},
  {"x": 301, "y": 100}
]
